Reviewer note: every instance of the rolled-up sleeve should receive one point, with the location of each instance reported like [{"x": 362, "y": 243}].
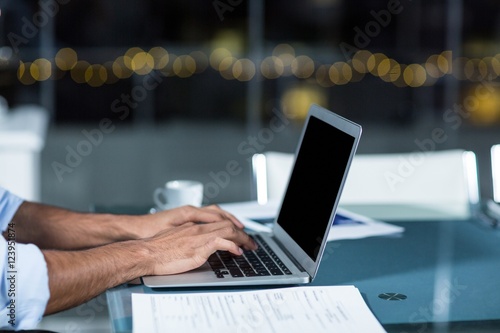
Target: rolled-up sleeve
[
  {"x": 9, "y": 203},
  {"x": 24, "y": 285}
]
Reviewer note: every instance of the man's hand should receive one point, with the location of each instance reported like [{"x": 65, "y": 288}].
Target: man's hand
[
  {"x": 181, "y": 245},
  {"x": 51, "y": 227},
  {"x": 150, "y": 225},
  {"x": 189, "y": 245},
  {"x": 88, "y": 253}
]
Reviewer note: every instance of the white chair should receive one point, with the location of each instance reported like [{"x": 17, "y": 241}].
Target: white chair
[
  {"x": 405, "y": 186},
  {"x": 270, "y": 174},
  {"x": 495, "y": 171},
  {"x": 22, "y": 138}
]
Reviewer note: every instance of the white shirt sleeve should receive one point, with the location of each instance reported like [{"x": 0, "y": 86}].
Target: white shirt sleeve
[
  {"x": 9, "y": 203},
  {"x": 24, "y": 283}
]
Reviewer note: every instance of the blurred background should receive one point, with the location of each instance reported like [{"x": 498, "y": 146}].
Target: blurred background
[{"x": 120, "y": 96}]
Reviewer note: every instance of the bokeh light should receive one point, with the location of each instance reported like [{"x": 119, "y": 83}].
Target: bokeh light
[
  {"x": 217, "y": 56},
  {"x": 41, "y": 69},
  {"x": 184, "y": 66},
  {"x": 95, "y": 75},
  {"x": 66, "y": 58},
  {"x": 142, "y": 63},
  {"x": 360, "y": 61},
  {"x": 226, "y": 68},
  {"x": 120, "y": 69},
  {"x": 160, "y": 57},
  {"x": 244, "y": 70},
  {"x": 78, "y": 71},
  {"x": 23, "y": 73},
  {"x": 389, "y": 70},
  {"x": 283, "y": 62},
  {"x": 297, "y": 100},
  {"x": 415, "y": 75},
  {"x": 302, "y": 67},
  {"x": 486, "y": 106},
  {"x": 272, "y": 67},
  {"x": 168, "y": 69}
]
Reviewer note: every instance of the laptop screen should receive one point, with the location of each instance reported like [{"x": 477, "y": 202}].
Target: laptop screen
[{"x": 314, "y": 184}]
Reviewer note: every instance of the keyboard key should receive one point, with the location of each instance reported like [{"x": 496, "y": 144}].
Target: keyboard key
[
  {"x": 262, "y": 262},
  {"x": 236, "y": 272}
]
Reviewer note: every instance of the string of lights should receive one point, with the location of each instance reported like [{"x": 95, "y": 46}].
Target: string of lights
[{"x": 282, "y": 62}]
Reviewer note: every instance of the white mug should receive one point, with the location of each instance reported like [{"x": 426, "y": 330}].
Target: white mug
[{"x": 177, "y": 193}]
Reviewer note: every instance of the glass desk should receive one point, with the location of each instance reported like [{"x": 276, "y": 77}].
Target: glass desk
[{"x": 438, "y": 276}]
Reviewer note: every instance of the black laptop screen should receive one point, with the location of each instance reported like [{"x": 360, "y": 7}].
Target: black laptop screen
[{"x": 314, "y": 184}]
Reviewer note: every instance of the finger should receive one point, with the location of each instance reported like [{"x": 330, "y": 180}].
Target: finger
[
  {"x": 229, "y": 232},
  {"x": 227, "y": 215},
  {"x": 217, "y": 230},
  {"x": 184, "y": 214},
  {"x": 221, "y": 244},
  {"x": 210, "y": 214}
]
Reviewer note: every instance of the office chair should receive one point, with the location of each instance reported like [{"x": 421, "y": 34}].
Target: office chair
[
  {"x": 491, "y": 207},
  {"x": 495, "y": 171},
  {"x": 270, "y": 171},
  {"x": 418, "y": 185}
]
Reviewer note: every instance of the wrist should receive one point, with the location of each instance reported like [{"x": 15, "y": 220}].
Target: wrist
[
  {"x": 135, "y": 260},
  {"x": 124, "y": 227},
  {"x": 140, "y": 226}
]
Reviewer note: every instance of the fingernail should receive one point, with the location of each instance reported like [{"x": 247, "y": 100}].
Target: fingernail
[{"x": 241, "y": 250}]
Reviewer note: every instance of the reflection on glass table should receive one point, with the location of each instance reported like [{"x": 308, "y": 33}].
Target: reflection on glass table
[{"x": 439, "y": 276}]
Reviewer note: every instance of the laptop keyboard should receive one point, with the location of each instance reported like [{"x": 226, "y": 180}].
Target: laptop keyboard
[{"x": 262, "y": 262}]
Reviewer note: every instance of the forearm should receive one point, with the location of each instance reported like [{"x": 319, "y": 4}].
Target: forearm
[
  {"x": 55, "y": 228},
  {"x": 78, "y": 276}
]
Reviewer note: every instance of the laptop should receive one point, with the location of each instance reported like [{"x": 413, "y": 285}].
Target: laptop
[{"x": 292, "y": 251}]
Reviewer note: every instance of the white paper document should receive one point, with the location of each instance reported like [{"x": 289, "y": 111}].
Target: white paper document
[
  {"x": 299, "y": 309},
  {"x": 347, "y": 225}
]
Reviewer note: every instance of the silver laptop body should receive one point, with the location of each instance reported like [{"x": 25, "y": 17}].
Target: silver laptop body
[{"x": 326, "y": 148}]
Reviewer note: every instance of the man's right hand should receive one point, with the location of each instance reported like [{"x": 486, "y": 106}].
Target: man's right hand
[{"x": 189, "y": 245}]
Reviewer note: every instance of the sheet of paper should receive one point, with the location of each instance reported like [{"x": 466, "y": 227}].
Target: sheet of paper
[
  {"x": 298, "y": 309},
  {"x": 359, "y": 226},
  {"x": 347, "y": 225}
]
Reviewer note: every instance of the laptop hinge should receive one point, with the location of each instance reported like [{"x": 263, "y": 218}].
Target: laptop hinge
[{"x": 295, "y": 262}]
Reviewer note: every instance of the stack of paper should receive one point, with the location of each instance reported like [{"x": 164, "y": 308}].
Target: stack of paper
[
  {"x": 298, "y": 309},
  {"x": 347, "y": 225}
]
